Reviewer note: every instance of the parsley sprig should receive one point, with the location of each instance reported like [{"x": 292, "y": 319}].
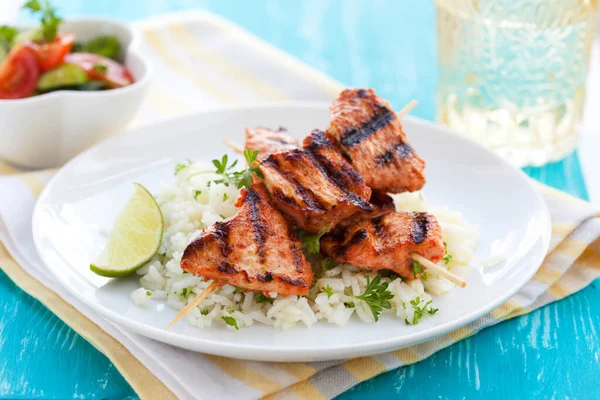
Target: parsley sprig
[
  {"x": 376, "y": 296},
  {"x": 420, "y": 311},
  {"x": 50, "y": 21},
  {"x": 241, "y": 178},
  {"x": 312, "y": 241},
  {"x": 328, "y": 290}
]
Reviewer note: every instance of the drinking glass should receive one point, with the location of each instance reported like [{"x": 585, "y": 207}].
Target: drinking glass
[{"x": 512, "y": 73}]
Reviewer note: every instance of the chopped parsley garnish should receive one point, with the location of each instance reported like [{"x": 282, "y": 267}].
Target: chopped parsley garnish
[
  {"x": 49, "y": 20},
  {"x": 181, "y": 166},
  {"x": 230, "y": 321},
  {"x": 420, "y": 312},
  {"x": 238, "y": 290},
  {"x": 225, "y": 196},
  {"x": 148, "y": 293},
  {"x": 328, "y": 263},
  {"x": 424, "y": 276},
  {"x": 241, "y": 178},
  {"x": 204, "y": 312},
  {"x": 260, "y": 298},
  {"x": 328, "y": 290},
  {"x": 222, "y": 216},
  {"x": 197, "y": 193},
  {"x": 349, "y": 304},
  {"x": 417, "y": 268},
  {"x": 187, "y": 291},
  {"x": 100, "y": 68},
  {"x": 312, "y": 241},
  {"x": 376, "y": 296},
  {"x": 230, "y": 310}
]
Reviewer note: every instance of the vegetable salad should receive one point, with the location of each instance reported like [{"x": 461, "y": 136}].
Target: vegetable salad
[{"x": 42, "y": 60}]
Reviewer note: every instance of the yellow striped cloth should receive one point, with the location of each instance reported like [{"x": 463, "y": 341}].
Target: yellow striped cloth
[{"x": 202, "y": 60}]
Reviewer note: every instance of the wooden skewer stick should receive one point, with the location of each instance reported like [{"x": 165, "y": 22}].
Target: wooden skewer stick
[
  {"x": 234, "y": 146},
  {"x": 439, "y": 270},
  {"x": 407, "y": 108},
  {"x": 186, "y": 310}
]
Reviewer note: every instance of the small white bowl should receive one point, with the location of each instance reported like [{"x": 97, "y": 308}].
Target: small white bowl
[{"x": 47, "y": 130}]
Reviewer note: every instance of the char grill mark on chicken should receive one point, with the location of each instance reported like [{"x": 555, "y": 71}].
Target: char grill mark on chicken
[
  {"x": 387, "y": 242},
  {"x": 257, "y": 249},
  {"x": 268, "y": 141},
  {"x": 370, "y": 135},
  {"x": 314, "y": 185}
]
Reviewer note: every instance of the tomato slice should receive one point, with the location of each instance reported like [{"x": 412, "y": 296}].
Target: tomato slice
[
  {"x": 52, "y": 54},
  {"x": 101, "y": 68},
  {"x": 19, "y": 74}
]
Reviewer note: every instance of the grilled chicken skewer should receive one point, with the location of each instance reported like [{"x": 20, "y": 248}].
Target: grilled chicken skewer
[
  {"x": 314, "y": 185},
  {"x": 387, "y": 242},
  {"x": 256, "y": 249},
  {"x": 391, "y": 242},
  {"x": 369, "y": 133}
]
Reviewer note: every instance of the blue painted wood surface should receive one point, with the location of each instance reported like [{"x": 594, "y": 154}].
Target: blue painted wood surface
[{"x": 389, "y": 45}]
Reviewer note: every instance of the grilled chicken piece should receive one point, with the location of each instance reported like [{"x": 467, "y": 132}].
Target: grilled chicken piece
[
  {"x": 369, "y": 133},
  {"x": 256, "y": 249},
  {"x": 314, "y": 185},
  {"x": 382, "y": 204},
  {"x": 387, "y": 242},
  {"x": 268, "y": 141}
]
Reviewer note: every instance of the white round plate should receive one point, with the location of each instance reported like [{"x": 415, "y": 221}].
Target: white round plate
[{"x": 81, "y": 201}]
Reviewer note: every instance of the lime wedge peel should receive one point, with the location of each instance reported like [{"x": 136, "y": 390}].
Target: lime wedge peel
[{"x": 135, "y": 237}]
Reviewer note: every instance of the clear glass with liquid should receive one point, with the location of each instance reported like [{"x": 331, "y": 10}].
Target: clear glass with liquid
[{"x": 512, "y": 73}]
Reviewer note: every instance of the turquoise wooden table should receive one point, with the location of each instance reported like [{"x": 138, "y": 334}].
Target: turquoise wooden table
[{"x": 553, "y": 352}]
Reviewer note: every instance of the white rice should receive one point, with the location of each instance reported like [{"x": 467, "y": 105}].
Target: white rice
[{"x": 191, "y": 204}]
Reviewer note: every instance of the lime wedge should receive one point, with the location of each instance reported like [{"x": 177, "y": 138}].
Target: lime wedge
[{"x": 135, "y": 237}]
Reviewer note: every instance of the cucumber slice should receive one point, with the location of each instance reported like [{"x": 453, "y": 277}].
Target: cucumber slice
[{"x": 61, "y": 76}]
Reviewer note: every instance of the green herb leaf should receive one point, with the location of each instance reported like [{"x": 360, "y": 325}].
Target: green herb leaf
[
  {"x": 187, "y": 291},
  {"x": 230, "y": 321},
  {"x": 148, "y": 293},
  {"x": 376, "y": 296},
  {"x": 7, "y": 36},
  {"x": 241, "y": 178},
  {"x": 225, "y": 196},
  {"x": 328, "y": 263},
  {"x": 260, "y": 298},
  {"x": 49, "y": 20},
  {"x": 222, "y": 216},
  {"x": 230, "y": 310},
  {"x": 204, "y": 312},
  {"x": 181, "y": 166},
  {"x": 349, "y": 304},
  {"x": 312, "y": 241},
  {"x": 447, "y": 258},
  {"x": 197, "y": 193},
  {"x": 417, "y": 268},
  {"x": 328, "y": 290},
  {"x": 420, "y": 311},
  {"x": 238, "y": 290}
]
